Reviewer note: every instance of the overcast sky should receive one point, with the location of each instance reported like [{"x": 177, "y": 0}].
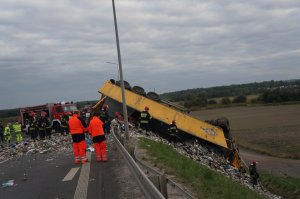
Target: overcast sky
[{"x": 56, "y": 50}]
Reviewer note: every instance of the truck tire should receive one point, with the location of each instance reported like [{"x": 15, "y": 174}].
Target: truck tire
[
  {"x": 154, "y": 96},
  {"x": 112, "y": 81},
  {"x": 139, "y": 90},
  {"x": 126, "y": 85}
]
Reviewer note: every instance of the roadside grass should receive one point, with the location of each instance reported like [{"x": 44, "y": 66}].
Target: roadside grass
[
  {"x": 205, "y": 183},
  {"x": 287, "y": 187}
]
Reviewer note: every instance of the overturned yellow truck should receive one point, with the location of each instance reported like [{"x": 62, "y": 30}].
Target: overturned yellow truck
[{"x": 214, "y": 132}]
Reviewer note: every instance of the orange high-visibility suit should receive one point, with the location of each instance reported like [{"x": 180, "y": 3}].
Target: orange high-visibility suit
[
  {"x": 97, "y": 132},
  {"x": 76, "y": 128}
]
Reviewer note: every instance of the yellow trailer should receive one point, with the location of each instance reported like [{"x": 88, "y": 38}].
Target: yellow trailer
[{"x": 166, "y": 114}]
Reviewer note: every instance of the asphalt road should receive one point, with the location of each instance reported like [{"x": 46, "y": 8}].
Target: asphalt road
[{"x": 55, "y": 176}]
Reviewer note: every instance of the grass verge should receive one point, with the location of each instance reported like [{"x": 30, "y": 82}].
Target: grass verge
[
  {"x": 204, "y": 182},
  {"x": 288, "y": 187}
]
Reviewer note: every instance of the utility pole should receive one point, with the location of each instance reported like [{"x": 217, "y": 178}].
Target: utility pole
[{"x": 121, "y": 74}]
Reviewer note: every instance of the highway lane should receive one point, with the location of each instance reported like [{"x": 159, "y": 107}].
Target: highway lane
[{"x": 55, "y": 176}]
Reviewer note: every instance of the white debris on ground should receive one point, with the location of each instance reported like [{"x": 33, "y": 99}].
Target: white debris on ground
[
  {"x": 207, "y": 158},
  {"x": 57, "y": 143}
]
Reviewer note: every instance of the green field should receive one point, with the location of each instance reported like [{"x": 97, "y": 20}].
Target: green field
[{"x": 273, "y": 130}]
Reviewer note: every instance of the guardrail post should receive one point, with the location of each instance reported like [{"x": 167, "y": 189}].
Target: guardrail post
[{"x": 163, "y": 185}]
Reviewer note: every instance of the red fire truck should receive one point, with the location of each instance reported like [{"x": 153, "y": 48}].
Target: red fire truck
[{"x": 53, "y": 110}]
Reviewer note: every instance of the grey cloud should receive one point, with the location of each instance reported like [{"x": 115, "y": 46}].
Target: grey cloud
[{"x": 48, "y": 46}]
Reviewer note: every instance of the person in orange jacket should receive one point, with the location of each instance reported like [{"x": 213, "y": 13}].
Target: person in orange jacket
[
  {"x": 97, "y": 132},
  {"x": 77, "y": 129}
]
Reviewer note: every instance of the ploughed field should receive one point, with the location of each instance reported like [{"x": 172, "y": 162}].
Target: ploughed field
[{"x": 273, "y": 130}]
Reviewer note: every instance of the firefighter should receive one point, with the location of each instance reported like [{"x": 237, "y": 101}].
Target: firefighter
[
  {"x": 33, "y": 128},
  {"x": 7, "y": 133},
  {"x": 253, "y": 172},
  {"x": 97, "y": 132},
  {"x": 144, "y": 119},
  {"x": 64, "y": 124},
  {"x": 77, "y": 127},
  {"x": 17, "y": 128},
  {"x": 172, "y": 129},
  {"x": 43, "y": 123},
  {"x": 104, "y": 116},
  {"x": 48, "y": 127}
]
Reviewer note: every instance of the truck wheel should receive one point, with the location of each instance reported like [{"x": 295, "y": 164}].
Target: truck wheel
[
  {"x": 126, "y": 85},
  {"x": 139, "y": 90},
  {"x": 153, "y": 96}
]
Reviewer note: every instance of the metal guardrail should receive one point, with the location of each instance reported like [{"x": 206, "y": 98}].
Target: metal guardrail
[
  {"x": 169, "y": 181},
  {"x": 147, "y": 186}
]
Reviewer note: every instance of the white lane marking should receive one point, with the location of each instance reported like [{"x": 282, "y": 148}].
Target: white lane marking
[
  {"x": 71, "y": 174},
  {"x": 83, "y": 182}
]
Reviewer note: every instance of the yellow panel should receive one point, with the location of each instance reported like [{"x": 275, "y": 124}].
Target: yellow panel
[{"x": 166, "y": 114}]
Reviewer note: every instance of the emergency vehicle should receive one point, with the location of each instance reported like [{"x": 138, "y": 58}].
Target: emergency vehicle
[{"x": 53, "y": 110}]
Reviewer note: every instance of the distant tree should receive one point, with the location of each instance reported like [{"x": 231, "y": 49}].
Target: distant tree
[
  {"x": 240, "y": 99},
  {"x": 226, "y": 100},
  {"x": 212, "y": 102}
]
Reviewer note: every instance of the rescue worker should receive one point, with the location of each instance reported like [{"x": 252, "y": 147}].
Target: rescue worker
[
  {"x": 33, "y": 128},
  {"x": 48, "y": 127},
  {"x": 1, "y": 132},
  {"x": 17, "y": 128},
  {"x": 253, "y": 172},
  {"x": 64, "y": 124},
  {"x": 7, "y": 133},
  {"x": 144, "y": 119},
  {"x": 77, "y": 127},
  {"x": 172, "y": 129},
  {"x": 97, "y": 132},
  {"x": 42, "y": 124},
  {"x": 104, "y": 116}
]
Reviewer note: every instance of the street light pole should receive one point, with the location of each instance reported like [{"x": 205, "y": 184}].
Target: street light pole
[{"x": 121, "y": 74}]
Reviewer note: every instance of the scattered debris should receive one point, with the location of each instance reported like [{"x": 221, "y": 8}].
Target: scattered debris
[
  {"x": 56, "y": 143},
  {"x": 207, "y": 157},
  {"x": 9, "y": 183},
  {"x": 91, "y": 149}
]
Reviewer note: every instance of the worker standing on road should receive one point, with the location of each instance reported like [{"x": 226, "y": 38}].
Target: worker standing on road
[
  {"x": 17, "y": 128},
  {"x": 33, "y": 128},
  {"x": 42, "y": 124},
  {"x": 96, "y": 130},
  {"x": 7, "y": 133},
  {"x": 77, "y": 127},
  {"x": 64, "y": 124},
  {"x": 144, "y": 119},
  {"x": 104, "y": 116},
  {"x": 48, "y": 127},
  {"x": 253, "y": 173}
]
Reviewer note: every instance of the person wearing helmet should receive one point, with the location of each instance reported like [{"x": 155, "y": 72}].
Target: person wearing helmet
[
  {"x": 144, "y": 120},
  {"x": 173, "y": 130},
  {"x": 104, "y": 117},
  {"x": 253, "y": 172},
  {"x": 7, "y": 133}
]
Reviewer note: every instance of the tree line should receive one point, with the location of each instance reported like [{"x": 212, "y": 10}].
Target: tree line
[{"x": 267, "y": 92}]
